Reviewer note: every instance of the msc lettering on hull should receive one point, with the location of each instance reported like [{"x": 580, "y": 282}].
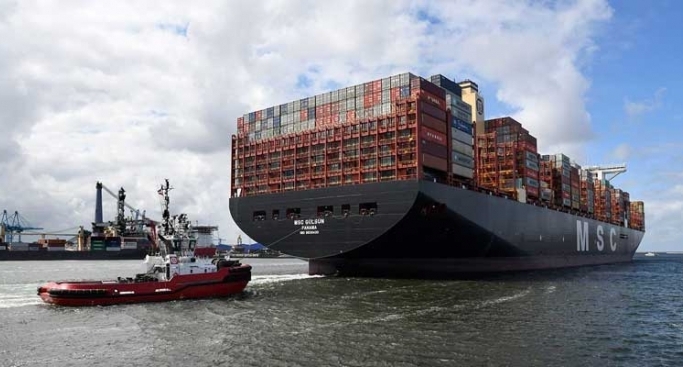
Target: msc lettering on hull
[{"x": 583, "y": 237}]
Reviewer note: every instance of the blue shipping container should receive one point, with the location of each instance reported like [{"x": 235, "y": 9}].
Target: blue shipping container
[
  {"x": 405, "y": 92},
  {"x": 311, "y": 113},
  {"x": 270, "y": 112},
  {"x": 276, "y": 121},
  {"x": 304, "y": 103},
  {"x": 461, "y": 125}
]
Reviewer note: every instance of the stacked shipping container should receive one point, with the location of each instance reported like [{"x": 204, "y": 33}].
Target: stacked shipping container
[
  {"x": 460, "y": 117},
  {"x": 587, "y": 192},
  {"x": 603, "y": 201},
  {"x": 637, "y": 215},
  {"x": 394, "y": 128},
  {"x": 506, "y": 158}
]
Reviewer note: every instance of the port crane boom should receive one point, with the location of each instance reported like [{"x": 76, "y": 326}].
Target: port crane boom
[
  {"x": 14, "y": 225},
  {"x": 602, "y": 171}
]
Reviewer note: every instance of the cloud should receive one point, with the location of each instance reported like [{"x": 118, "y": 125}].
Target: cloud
[
  {"x": 622, "y": 152},
  {"x": 130, "y": 93},
  {"x": 639, "y": 108}
]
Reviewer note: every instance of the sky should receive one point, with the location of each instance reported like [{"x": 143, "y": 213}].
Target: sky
[{"x": 130, "y": 93}]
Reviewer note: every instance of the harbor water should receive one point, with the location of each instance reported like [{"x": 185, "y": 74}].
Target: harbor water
[{"x": 613, "y": 315}]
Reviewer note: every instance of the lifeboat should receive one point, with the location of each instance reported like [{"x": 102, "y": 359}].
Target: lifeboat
[{"x": 167, "y": 278}]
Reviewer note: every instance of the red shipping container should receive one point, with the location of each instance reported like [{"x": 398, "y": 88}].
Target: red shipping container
[
  {"x": 377, "y": 85},
  {"x": 395, "y": 94},
  {"x": 258, "y": 115},
  {"x": 319, "y": 112},
  {"x": 433, "y": 111},
  {"x": 432, "y": 99},
  {"x": 532, "y": 191},
  {"x": 367, "y": 101},
  {"x": 566, "y": 195},
  {"x": 434, "y": 124},
  {"x": 350, "y": 116},
  {"x": 303, "y": 115},
  {"x": 334, "y": 108},
  {"x": 434, "y": 136},
  {"x": 434, "y": 149},
  {"x": 434, "y": 162}
]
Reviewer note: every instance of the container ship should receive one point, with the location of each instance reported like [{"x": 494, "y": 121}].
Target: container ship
[{"x": 404, "y": 176}]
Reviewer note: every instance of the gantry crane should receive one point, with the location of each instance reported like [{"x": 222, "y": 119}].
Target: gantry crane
[
  {"x": 602, "y": 171},
  {"x": 13, "y": 225}
]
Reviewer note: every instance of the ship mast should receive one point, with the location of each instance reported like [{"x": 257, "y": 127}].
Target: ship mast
[{"x": 166, "y": 215}]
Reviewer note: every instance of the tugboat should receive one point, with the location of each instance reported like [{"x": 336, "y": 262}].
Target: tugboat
[{"x": 175, "y": 273}]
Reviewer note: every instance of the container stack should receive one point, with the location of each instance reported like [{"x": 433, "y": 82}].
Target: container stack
[
  {"x": 129, "y": 244},
  {"x": 587, "y": 192},
  {"x": 112, "y": 244},
  {"x": 53, "y": 245},
  {"x": 620, "y": 205},
  {"x": 395, "y": 128},
  {"x": 507, "y": 158},
  {"x": 559, "y": 180},
  {"x": 434, "y": 127},
  {"x": 460, "y": 116},
  {"x": 346, "y": 105},
  {"x": 603, "y": 201},
  {"x": 97, "y": 243},
  {"x": 575, "y": 185},
  {"x": 35, "y": 246},
  {"x": 18, "y": 246},
  {"x": 637, "y": 215},
  {"x": 546, "y": 179}
]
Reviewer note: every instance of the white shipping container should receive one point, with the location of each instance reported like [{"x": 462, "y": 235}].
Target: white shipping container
[
  {"x": 462, "y": 115},
  {"x": 386, "y": 96},
  {"x": 386, "y": 108},
  {"x": 463, "y": 160},
  {"x": 463, "y": 148},
  {"x": 462, "y": 136},
  {"x": 462, "y": 171},
  {"x": 129, "y": 245},
  {"x": 350, "y": 104},
  {"x": 395, "y": 81},
  {"x": 350, "y": 92},
  {"x": 377, "y": 111}
]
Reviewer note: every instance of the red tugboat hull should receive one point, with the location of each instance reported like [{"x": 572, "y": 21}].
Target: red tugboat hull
[{"x": 224, "y": 282}]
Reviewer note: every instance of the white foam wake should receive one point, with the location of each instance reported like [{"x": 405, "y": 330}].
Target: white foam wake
[
  {"x": 11, "y": 301},
  {"x": 504, "y": 299},
  {"x": 18, "y": 295},
  {"x": 268, "y": 279}
]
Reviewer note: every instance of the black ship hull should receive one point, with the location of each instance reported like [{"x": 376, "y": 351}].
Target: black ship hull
[
  {"x": 421, "y": 228},
  {"x": 138, "y": 254}
]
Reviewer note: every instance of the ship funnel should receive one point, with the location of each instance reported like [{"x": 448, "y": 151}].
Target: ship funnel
[{"x": 98, "y": 203}]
